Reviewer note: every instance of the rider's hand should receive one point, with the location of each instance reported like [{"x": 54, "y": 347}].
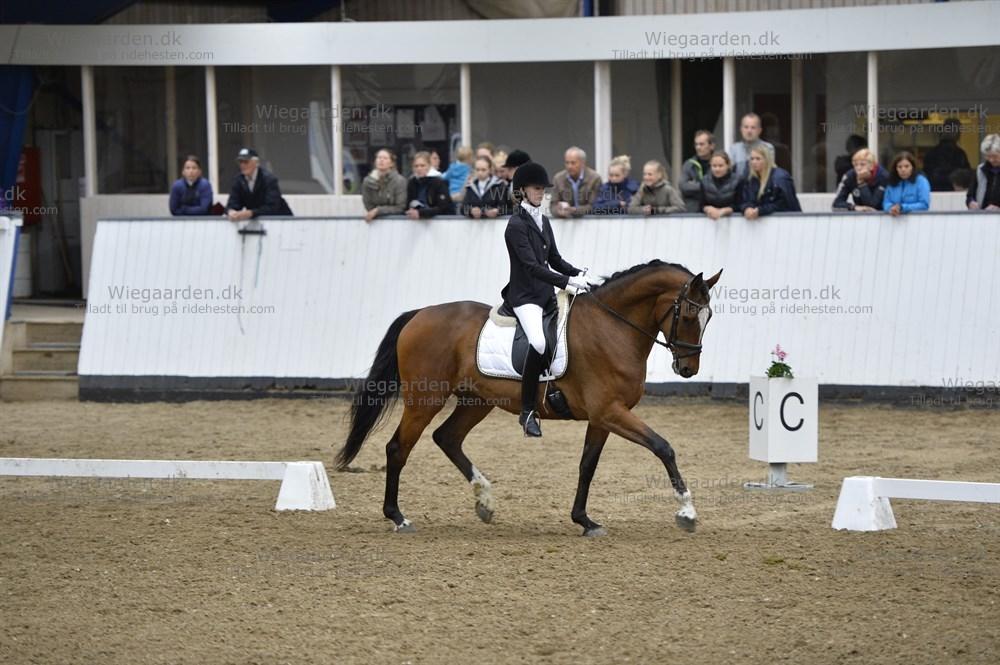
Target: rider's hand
[
  {"x": 592, "y": 280},
  {"x": 577, "y": 285}
]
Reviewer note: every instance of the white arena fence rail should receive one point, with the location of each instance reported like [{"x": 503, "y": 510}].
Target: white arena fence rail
[
  {"x": 9, "y": 239},
  {"x": 304, "y": 485},
  {"x": 857, "y": 299},
  {"x": 864, "y": 500}
]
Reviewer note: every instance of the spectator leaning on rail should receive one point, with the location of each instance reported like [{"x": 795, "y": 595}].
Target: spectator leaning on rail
[
  {"x": 656, "y": 196},
  {"x": 458, "y": 172},
  {"x": 769, "y": 189},
  {"x": 946, "y": 157},
  {"x": 255, "y": 190},
  {"x": 908, "y": 191},
  {"x": 721, "y": 189},
  {"x": 864, "y": 184},
  {"x": 750, "y": 129},
  {"x": 485, "y": 194},
  {"x": 506, "y": 166},
  {"x": 427, "y": 195},
  {"x": 574, "y": 189},
  {"x": 695, "y": 168},
  {"x": 383, "y": 190},
  {"x": 984, "y": 194},
  {"x": 842, "y": 164},
  {"x": 615, "y": 195},
  {"x": 191, "y": 194}
]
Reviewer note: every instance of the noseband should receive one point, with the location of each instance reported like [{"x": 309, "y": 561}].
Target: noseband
[{"x": 672, "y": 342}]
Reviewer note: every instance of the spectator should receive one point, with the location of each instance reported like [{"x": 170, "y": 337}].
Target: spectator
[
  {"x": 769, "y": 189},
  {"x": 656, "y": 196},
  {"x": 908, "y": 191},
  {"x": 615, "y": 195},
  {"x": 458, "y": 173},
  {"x": 383, "y": 190},
  {"x": 485, "y": 195},
  {"x": 427, "y": 194},
  {"x": 191, "y": 194},
  {"x": 255, "y": 190},
  {"x": 720, "y": 191},
  {"x": 574, "y": 189},
  {"x": 985, "y": 193},
  {"x": 485, "y": 149},
  {"x": 435, "y": 162},
  {"x": 740, "y": 151},
  {"x": 511, "y": 163},
  {"x": 864, "y": 184},
  {"x": 946, "y": 157},
  {"x": 842, "y": 164},
  {"x": 961, "y": 180},
  {"x": 695, "y": 169},
  {"x": 500, "y": 165}
]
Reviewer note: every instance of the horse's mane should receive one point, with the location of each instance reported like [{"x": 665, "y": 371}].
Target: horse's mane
[{"x": 655, "y": 263}]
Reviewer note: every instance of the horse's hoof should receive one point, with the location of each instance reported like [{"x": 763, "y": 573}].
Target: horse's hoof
[
  {"x": 485, "y": 514},
  {"x": 405, "y": 527},
  {"x": 595, "y": 532},
  {"x": 686, "y": 523}
]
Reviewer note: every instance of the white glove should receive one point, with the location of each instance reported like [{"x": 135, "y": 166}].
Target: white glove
[{"x": 577, "y": 285}]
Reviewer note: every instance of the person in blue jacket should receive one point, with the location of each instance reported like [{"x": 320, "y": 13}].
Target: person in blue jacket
[
  {"x": 614, "y": 196},
  {"x": 191, "y": 194},
  {"x": 769, "y": 188},
  {"x": 908, "y": 191}
]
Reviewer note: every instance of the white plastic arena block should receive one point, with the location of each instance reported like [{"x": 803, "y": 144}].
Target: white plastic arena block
[
  {"x": 305, "y": 486},
  {"x": 864, "y": 500},
  {"x": 859, "y": 508}
]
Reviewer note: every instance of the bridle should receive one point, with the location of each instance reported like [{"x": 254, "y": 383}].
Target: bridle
[{"x": 672, "y": 342}]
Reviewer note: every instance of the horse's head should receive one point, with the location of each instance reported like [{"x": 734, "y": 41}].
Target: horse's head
[{"x": 684, "y": 322}]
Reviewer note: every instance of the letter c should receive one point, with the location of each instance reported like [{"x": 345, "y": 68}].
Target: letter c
[
  {"x": 759, "y": 425},
  {"x": 782, "y": 412}
]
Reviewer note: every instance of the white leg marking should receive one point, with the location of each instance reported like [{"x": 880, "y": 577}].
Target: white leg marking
[
  {"x": 687, "y": 505},
  {"x": 405, "y": 524},
  {"x": 482, "y": 489}
]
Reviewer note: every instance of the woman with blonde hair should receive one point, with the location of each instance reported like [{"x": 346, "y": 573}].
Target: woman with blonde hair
[
  {"x": 614, "y": 196},
  {"x": 768, "y": 188},
  {"x": 656, "y": 196},
  {"x": 864, "y": 184},
  {"x": 383, "y": 191}
]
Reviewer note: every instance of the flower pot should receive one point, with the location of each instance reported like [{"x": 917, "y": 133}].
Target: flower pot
[{"x": 784, "y": 419}]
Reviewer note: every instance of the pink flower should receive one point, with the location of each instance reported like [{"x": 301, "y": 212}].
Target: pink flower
[{"x": 779, "y": 353}]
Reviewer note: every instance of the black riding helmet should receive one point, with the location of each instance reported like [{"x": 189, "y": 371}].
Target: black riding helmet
[{"x": 531, "y": 173}]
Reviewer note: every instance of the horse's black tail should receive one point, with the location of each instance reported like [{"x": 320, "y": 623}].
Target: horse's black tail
[{"x": 374, "y": 399}]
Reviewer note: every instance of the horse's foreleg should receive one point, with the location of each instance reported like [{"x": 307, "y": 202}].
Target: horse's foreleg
[
  {"x": 592, "y": 447},
  {"x": 449, "y": 438},
  {"x": 626, "y": 424}
]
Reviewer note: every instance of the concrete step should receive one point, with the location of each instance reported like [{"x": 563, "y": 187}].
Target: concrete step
[
  {"x": 49, "y": 332},
  {"x": 39, "y": 386},
  {"x": 47, "y": 357}
]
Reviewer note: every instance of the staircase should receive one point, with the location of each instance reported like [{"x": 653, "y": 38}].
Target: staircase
[{"x": 41, "y": 347}]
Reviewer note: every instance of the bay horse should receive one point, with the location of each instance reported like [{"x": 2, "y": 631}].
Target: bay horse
[{"x": 429, "y": 354}]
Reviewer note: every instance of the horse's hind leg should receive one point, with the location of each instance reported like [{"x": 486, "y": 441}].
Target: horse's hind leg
[
  {"x": 592, "y": 447},
  {"x": 449, "y": 437},
  {"x": 416, "y": 417}
]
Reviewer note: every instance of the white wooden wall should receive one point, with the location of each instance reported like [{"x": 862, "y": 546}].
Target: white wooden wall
[
  {"x": 9, "y": 228},
  {"x": 336, "y": 284}
]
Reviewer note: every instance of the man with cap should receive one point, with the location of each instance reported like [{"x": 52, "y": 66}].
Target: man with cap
[
  {"x": 514, "y": 160},
  {"x": 255, "y": 190},
  {"x": 531, "y": 247}
]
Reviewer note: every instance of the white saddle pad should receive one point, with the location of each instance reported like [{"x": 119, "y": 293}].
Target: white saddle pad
[{"x": 496, "y": 340}]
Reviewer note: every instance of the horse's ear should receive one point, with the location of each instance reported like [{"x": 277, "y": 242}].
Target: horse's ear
[
  {"x": 714, "y": 278},
  {"x": 698, "y": 280}
]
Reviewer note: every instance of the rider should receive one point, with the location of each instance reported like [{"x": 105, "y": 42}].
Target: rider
[{"x": 532, "y": 250}]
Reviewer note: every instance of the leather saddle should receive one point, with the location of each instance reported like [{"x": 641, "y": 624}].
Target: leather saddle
[{"x": 519, "y": 351}]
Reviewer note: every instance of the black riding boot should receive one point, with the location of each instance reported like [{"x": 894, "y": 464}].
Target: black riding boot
[{"x": 533, "y": 365}]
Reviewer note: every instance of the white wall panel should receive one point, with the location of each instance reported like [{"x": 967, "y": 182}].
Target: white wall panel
[
  {"x": 336, "y": 284},
  {"x": 9, "y": 229}
]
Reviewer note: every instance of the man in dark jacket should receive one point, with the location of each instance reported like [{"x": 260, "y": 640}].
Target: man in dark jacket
[
  {"x": 255, "y": 190},
  {"x": 946, "y": 157},
  {"x": 695, "y": 169}
]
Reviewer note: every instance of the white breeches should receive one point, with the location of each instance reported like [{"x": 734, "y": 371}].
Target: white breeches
[{"x": 530, "y": 316}]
